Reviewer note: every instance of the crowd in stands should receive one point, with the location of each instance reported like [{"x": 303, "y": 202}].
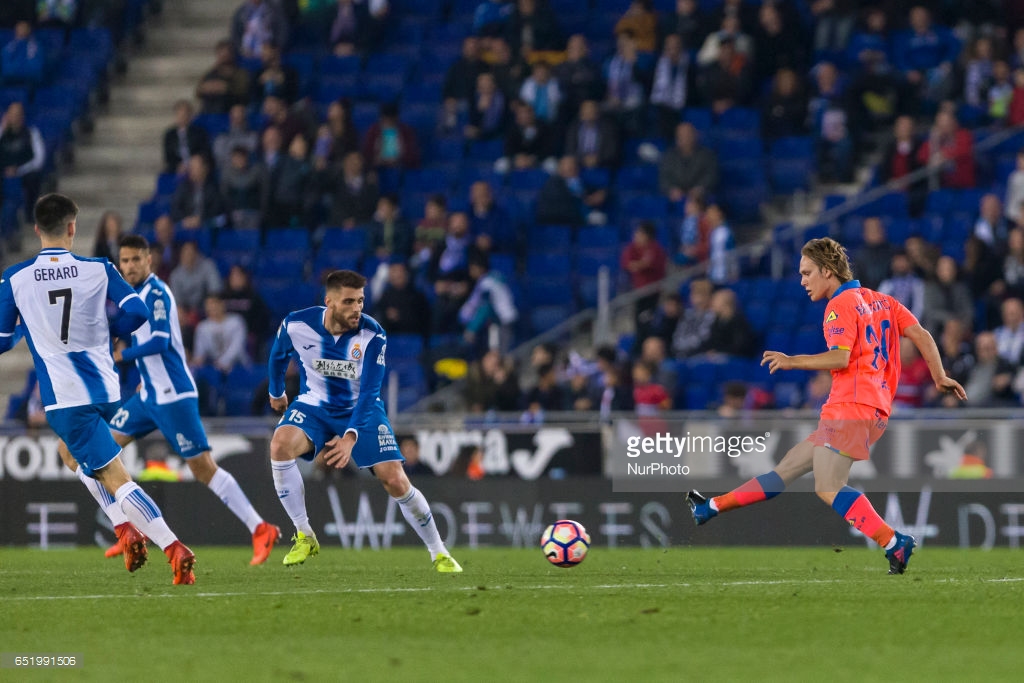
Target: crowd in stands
[{"x": 482, "y": 160}]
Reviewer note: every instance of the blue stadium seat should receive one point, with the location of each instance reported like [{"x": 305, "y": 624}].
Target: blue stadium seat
[
  {"x": 285, "y": 239},
  {"x": 637, "y": 177},
  {"x": 238, "y": 240},
  {"x": 598, "y": 236},
  {"x": 552, "y": 264},
  {"x": 589, "y": 260},
  {"x": 587, "y": 286},
  {"x": 486, "y": 150},
  {"x": 698, "y": 396},
  {"x": 699, "y": 117},
  {"x": 596, "y": 177},
  {"x": 549, "y": 238},
  {"x": 354, "y": 239},
  {"x": 332, "y": 65},
  {"x": 544, "y": 318},
  {"x": 527, "y": 179},
  {"x": 335, "y": 87},
  {"x": 739, "y": 121},
  {"x": 428, "y": 180},
  {"x": 239, "y": 388},
  {"x": 540, "y": 290},
  {"x": 328, "y": 260},
  {"x": 281, "y": 263},
  {"x": 405, "y": 346},
  {"x": 166, "y": 184}
]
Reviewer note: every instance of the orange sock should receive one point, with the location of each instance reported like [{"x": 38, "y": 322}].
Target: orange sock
[
  {"x": 763, "y": 487},
  {"x": 856, "y": 509}
]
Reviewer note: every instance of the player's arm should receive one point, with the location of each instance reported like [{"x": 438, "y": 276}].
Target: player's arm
[
  {"x": 132, "y": 310},
  {"x": 160, "y": 341},
  {"x": 10, "y": 331},
  {"x": 925, "y": 344},
  {"x": 370, "y": 384},
  {"x": 833, "y": 359},
  {"x": 280, "y": 353}
]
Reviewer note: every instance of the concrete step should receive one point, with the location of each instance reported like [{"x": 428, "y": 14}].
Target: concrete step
[
  {"x": 163, "y": 94},
  {"x": 132, "y": 188},
  {"x": 168, "y": 66}
]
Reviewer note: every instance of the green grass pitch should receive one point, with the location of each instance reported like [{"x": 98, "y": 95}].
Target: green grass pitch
[{"x": 623, "y": 615}]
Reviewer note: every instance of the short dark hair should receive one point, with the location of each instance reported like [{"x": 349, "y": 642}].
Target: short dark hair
[
  {"x": 344, "y": 278},
  {"x": 134, "y": 242},
  {"x": 53, "y": 212}
]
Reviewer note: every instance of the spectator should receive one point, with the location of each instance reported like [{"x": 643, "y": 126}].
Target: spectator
[
  {"x": 108, "y": 236},
  {"x": 391, "y": 143},
  {"x": 990, "y": 379},
  {"x": 57, "y": 13},
  {"x": 541, "y": 91},
  {"x": 351, "y": 29},
  {"x": 492, "y": 384},
  {"x": 991, "y": 226},
  {"x": 164, "y": 249},
  {"x": 671, "y": 84},
  {"x": 912, "y": 391},
  {"x": 449, "y": 272},
  {"x": 834, "y": 21},
  {"x": 653, "y": 354},
  {"x": 829, "y": 112},
  {"x": 694, "y": 329},
  {"x": 592, "y": 139},
  {"x": 275, "y": 78},
  {"x": 731, "y": 33},
  {"x": 734, "y": 399},
  {"x": 240, "y": 297},
  {"x": 508, "y": 68},
  {"x": 242, "y": 185},
  {"x": 578, "y": 76},
  {"x": 402, "y": 307},
  {"x": 486, "y": 217},
  {"x": 528, "y": 142},
  {"x": 641, "y": 20},
  {"x": 626, "y": 86},
  {"x": 730, "y": 332},
  {"x": 355, "y": 194},
  {"x": 460, "y": 79},
  {"x": 193, "y": 279},
  {"x": 1012, "y": 282},
  {"x": 548, "y": 395},
  {"x": 924, "y": 256},
  {"x": 220, "y": 338},
  {"x": 22, "y": 152},
  {"x": 255, "y": 23},
  {"x": 488, "y": 114},
  {"x": 777, "y": 45},
  {"x": 430, "y": 231},
  {"x": 956, "y": 353},
  {"x": 878, "y": 93},
  {"x": 946, "y": 298},
  {"x": 784, "y": 112},
  {"x": 490, "y": 303},
  {"x": 687, "y": 165},
  {"x": 723, "y": 267},
  {"x": 1000, "y": 92},
  {"x": 184, "y": 139},
  {"x": 1010, "y": 335},
  {"x": 818, "y": 389},
  {"x": 532, "y": 28},
  {"x": 413, "y": 466},
  {"x": 490, "y": 17},
  {"x": 926, "y": 53},
  {"x": 337, "y": 136},
  {"x": 900, "y": 158},
  {"x": 1015, "y": 192},
  {"x": 1015, "y": 115},
  {"x": 390, "y": 235},
  {"x": 289, "y": 197},
  {"x": 871, "y": 44},
  {"x": 904, "y": 285},
  {"x": 238, "y": 135},
  {"x": 874, "y": 257},
  {"x": 288, "y": 124},
  {"x": 688, "y": 22},
  {"x": 197, "y": 202},
  {"x": 949, "y": 152},
  {"x": 23, "y": 61},
  {"x": 644, "y": 260},
  {"x": 663, "y": 321},
  {"x": 972, "y": 463},
  {"x": 225, "y": 85},
  {"x": 694, "y": 232},
  {"x": 564, "y": 199},
  {"x": 649, "y": 397}
]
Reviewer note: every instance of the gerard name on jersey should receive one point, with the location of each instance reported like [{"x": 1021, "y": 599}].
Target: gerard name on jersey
[
  {"x": 344, "y": 369},
  {"x": 61, "y": 273}
]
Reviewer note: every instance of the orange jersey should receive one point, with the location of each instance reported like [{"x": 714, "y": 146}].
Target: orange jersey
[{"x": 868, "y": 324}]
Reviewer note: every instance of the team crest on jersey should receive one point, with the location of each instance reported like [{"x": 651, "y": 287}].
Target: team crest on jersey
[
  {"x": 356, "y": 352},
  {"x": 831, "y": 316},
  {"x": 159, "y": 310}
]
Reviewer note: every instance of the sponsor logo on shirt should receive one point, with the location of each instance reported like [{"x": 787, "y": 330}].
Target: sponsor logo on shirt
[
  {"x": 342, "y": 369},
  {"x": 385, "y": 439},
  {"x": 831, "y": 316},
  {"x": 380, "y": 356},
  {"x": 183, "y": 443}
]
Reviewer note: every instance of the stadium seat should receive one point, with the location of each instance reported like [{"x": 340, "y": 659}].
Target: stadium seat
[
  {"x": 549, "y": 238},
  {"x": 353, "y": 239},
  {"x": 545, "y": 318},
  {"x": 406, "y": 346},
  {"x": 286, "y": 239}
]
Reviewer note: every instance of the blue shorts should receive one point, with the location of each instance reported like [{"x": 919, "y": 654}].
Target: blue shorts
[
  {"x": 84, "y": 429},
  {"x": 179, "y": 423},
  {"x": 373, "y": 446}
]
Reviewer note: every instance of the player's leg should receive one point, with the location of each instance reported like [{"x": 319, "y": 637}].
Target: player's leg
[
  {"x": 299, "y": 433},
  {"x": 416, "y": 510},
  {"x": 795, "y": 464}
]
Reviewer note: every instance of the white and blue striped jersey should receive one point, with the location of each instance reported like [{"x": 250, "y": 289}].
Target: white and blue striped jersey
[
  {"x": 61, "y": 300},
  {"x": 341, "y": 374},
  {"x": 157, "y": 348}
]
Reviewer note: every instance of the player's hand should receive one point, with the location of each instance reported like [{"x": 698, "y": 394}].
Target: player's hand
[
  {"x": 338, "y": 451},
  {"x": 279, "y": 404},
  {"x": 118, "y": 357},
  {"x": 776, "y": 360},
  {"x": 948, "y": 385}
]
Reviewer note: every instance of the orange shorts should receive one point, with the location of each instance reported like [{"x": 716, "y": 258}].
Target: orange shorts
[{"x": 850, "y": 429}]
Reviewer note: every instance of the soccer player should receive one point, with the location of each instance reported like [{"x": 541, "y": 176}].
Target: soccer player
[
  {"x": 61, "y": 299},
  {"x": 340, "y": 354},
  {"x": 862, "y": 329},
  {"x": 168, "y": 401}
]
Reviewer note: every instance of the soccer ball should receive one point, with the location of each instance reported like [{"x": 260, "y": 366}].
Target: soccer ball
[{"x": 565, "y": 543}]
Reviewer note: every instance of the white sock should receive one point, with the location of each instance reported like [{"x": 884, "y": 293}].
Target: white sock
[
  {"x": 230, "y": 493},
  {"x": 892, "y": 543},
  {"x": 292, "y": 493},
  {"x": 416, "y": 511},
  {"x": 143, "y": 513},
  {"x": 107, "y": 502},
  {"x": 713, "y": 505}
]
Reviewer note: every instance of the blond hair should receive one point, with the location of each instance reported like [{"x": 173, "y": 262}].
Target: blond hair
[{"x": 829, "y": 255}]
